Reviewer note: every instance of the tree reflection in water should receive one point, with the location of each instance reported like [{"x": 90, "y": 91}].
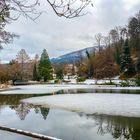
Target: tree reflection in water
[
  {"x": 42, "y": 110},
  {"x": 23, "y": 109},
  {"x": 123, "y": 128}
]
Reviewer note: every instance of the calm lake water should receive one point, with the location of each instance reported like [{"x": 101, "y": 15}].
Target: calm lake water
[{"x": 64, "y": 124}]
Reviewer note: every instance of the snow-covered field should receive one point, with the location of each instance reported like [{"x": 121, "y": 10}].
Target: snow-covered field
[
  {"x": 44, "y": 89},
  {"x": 108, "y": 104}
]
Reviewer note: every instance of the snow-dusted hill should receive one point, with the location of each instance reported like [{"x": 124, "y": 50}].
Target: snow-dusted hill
[{"x": 74, "y": 56}]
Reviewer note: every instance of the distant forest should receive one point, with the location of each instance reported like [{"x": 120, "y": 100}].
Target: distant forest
[{"x": 116, "y": 54}]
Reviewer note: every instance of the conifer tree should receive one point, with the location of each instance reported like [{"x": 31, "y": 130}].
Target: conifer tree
[
  {"x": 35, "y": 73},
  {"x": 45, "y": 68},
  {"x": 138, "y": 65},
  {"x": 126, "y": 61},
  {"x": 117, "y": 55}
]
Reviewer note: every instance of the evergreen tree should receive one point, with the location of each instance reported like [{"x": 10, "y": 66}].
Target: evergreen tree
[
  {"x": 59, "y": 74},
  {"x": 35, "y": 73},
  {"x": 126, "y": 61},
  {"x": 138, "y": 65},
  {"x": 90, "y": 65},
  {"x": 45, "y": 68},
  {"x": 118, "y": 55},
  {"x": 134, "y": 32},
  {"x": 44, "y": 111}
]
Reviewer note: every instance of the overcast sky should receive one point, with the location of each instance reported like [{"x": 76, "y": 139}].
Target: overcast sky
[{"x": 60, "y": 36}]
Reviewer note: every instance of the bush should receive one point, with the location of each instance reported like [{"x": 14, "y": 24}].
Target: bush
[
  {"x": 138, "y": 81},
  {"x": 109, "y": 83},
  {"x": 124, "y": 83},
  {"x": 56, "y": 81},
  {"x": 81, "y": 79}
]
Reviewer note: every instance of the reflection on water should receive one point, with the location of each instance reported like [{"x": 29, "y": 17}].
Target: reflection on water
[
  {"x": 23, "y": 109},
  {"x": 63, "y": 124},
  {"x": 118, "y": 127},
  {"x": 94, "y": 90}
]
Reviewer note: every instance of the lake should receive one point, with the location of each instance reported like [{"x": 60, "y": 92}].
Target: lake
[{"x": 64, "y": 124}]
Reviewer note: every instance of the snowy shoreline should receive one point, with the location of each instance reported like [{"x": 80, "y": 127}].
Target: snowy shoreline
[{"x": 51, "y": 88}]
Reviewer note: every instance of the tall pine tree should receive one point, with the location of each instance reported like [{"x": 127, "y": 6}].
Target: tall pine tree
[
  {"x": 138, "y": 65},
  {"x": 45, "y": 68},
  {"x": 35, "y": 73},
  {"x": 126, "y": 62}
]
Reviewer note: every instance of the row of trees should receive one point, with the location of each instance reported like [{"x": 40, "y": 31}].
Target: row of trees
[
  {"x": 116, "y": 54},
  {"x": 23, "y": 68},
  {"x": 12, "y": 10}
]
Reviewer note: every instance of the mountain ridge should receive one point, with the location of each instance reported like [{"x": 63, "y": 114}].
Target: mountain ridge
[{"x": 74, "y": 56}]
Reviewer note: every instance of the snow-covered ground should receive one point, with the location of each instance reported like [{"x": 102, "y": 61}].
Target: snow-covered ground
[
  {"x": 45, "y": 89},
  {"x": 93, "y": 81},
  {"x": 108, "y": 104}
]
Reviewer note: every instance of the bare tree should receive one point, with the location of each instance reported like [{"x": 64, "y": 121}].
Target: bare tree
[
  {"x": 22, "y": 57},
  {"x": 5, "y": 37},
  {"x": 62, "y": 8},
  {"x": 124, "y": 33},
  {"x": 12, "y": 9},
  {"x": 98, "y": 38},
  {"x": 106, "y": 41},
  {"x": 114, "y": 36},
  {"x": 14, "y": 70},
  {"x": 36, "y": 58}
]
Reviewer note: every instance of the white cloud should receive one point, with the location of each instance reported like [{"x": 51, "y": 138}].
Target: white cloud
[
  {"x": 60, "y": 35},
  {"x": 129, "y": 4}
]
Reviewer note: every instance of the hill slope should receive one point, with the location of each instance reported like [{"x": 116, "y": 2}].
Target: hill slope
[{"x": 73, "y": 56}]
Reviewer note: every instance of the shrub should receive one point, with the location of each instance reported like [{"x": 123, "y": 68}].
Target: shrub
[
  {"x": 138, "y": 81},
  {"x": 124, "y": 83},
  {"x": 81, "y": 79},
  {"x": 110, "y": 83}
]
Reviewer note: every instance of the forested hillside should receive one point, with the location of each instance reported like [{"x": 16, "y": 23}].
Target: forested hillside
[{"x": 118, "y": 53}]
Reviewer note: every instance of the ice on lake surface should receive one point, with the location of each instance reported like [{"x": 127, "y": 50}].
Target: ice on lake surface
[
  {"x": 108, "y": 104},
  {"x": 66, "y": 125},
  {"x": 71, "y": 115}
]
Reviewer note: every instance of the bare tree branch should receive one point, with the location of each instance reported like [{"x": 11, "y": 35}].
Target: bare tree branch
[
  {"x": 29, "y": 8},
  {"x": 69, "y": 8},
  {"x": 12, "y": 9}
]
